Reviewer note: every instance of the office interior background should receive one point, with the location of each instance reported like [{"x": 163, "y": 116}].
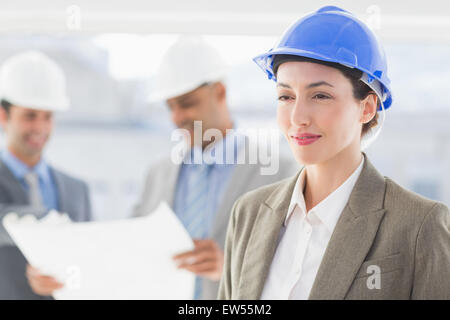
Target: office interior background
[{"x": 110, "y": 51}]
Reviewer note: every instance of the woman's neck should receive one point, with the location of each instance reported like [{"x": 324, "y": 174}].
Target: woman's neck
[{"x": 324, "y": 178}]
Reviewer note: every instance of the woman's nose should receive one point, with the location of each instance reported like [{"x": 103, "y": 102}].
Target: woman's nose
[{"x": 300, "y": 116}]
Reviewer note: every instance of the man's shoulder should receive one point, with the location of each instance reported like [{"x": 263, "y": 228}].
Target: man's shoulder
[
  {"x": 5, "y": 171},
  {"x": 161, "y": 166},
  {"x": 67, "y": 178}
]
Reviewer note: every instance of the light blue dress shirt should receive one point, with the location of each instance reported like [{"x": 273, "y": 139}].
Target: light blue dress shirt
[
  {"x": 46, "y": 181},
  {"x": 218, "y": 178},
  {"x": 219, "y": 173}
]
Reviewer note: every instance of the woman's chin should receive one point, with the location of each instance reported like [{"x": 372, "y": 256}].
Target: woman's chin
[
  {"x": 309, "y": 155},
  {"x": 306, "y": 156}
]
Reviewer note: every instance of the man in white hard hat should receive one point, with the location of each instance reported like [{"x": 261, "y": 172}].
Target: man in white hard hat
[
  {"x": 32, "y": 87},
  {"x": 190, "y": 80}
]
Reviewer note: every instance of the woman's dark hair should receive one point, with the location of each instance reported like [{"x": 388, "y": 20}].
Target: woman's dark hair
[{"x": 360, "y": 89}]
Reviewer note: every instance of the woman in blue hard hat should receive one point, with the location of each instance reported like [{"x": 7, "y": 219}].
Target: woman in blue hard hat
[{"x": 338, "y": 229}]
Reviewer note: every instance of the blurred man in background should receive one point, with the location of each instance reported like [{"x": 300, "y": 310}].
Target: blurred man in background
[
  {"x": 32, "y": 87},
  {"x": 190, "y": 80}
]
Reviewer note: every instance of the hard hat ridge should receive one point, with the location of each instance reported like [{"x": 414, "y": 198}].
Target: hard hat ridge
[
  {"x": 334, "y": 35},
  {"x": 31, "y": 79},
  {"x": 186, "y": 65}
]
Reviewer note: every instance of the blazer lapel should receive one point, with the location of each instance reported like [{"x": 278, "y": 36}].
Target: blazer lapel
[
  {"x": 262, "y": 244},
  {"x": 352, "y": 237},
  {"x": 240, "y": 177},
  {"x": 170, "y": 183},
  {"x": 61, "y": 190},
  {"x": 242, "y": 173},
  {"x": 12, "y": 185}
]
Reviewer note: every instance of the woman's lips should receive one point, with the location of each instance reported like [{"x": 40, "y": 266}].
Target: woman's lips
[{"x": 306, "y": 138}]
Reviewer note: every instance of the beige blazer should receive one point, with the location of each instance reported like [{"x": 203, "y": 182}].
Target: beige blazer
[
  {"x": 161, "y": 183},
  {"x": 406, "y": 235}
]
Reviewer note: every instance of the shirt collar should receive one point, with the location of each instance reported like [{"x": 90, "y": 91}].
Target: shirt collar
[
  {"x": 208, "y": 155},
  {"x": 330, "y": 208},
  {"x": 20, "y": 169}
]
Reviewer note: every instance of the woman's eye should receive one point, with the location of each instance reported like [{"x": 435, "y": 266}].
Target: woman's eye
[
  {"x": 321, "y": 96},
  {"x": 283, "y": 98}
]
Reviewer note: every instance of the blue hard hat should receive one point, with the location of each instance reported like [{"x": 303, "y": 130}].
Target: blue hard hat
[{"x": 332, "y": 34}]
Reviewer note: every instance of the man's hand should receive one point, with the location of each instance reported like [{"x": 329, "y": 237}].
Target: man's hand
[
  {"x": 205, "y": 260},
  {"x": 41, "y": 284}
]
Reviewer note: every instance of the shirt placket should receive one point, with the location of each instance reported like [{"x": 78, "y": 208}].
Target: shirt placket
[
  {"x": 304, "y": 231},
  {"x": 308, "y": 230}
]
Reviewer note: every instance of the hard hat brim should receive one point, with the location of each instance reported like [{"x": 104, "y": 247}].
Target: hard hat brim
[
  {"x": 161, "y": 96},
  {"x": 265, "y": 60},
  {"x": 62, "y": 105}
]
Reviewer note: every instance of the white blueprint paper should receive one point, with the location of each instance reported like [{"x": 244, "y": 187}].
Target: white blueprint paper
[{"x": 122, "y": 259}]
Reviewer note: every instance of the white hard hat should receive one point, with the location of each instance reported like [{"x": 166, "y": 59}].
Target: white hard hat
[
  {"x": 32, "y": 80},
  {"x": 186, "y": 65}
]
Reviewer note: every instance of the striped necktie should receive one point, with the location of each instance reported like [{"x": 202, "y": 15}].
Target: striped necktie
[{"x": 195, "y": 216}]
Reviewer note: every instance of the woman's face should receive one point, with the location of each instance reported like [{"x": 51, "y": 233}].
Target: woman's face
[{"x": 317, "y": 112}]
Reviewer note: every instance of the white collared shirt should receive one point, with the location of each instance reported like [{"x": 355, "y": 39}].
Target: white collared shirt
[{"x": 304, "y": 241}]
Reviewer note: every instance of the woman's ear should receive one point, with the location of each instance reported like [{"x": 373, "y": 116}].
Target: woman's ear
[{"x": 369, "y": 106}]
